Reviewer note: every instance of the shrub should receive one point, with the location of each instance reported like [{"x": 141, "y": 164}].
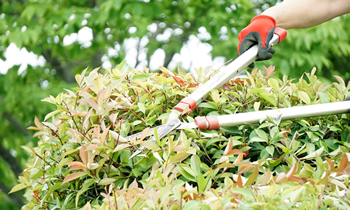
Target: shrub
[{"x": 82, "y": 160}]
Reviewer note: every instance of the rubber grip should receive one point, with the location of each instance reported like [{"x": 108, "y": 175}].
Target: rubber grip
[
  {"x": 201, "y": 122},
  {"x": 282, "y": 33},
  {"x": 213, "y": 122},
  {"x": 184, "y": 103},
  {"x": 207, "y": 123}
]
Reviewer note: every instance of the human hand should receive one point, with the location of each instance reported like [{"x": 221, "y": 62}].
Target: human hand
[{"x": 260, "y": 31}]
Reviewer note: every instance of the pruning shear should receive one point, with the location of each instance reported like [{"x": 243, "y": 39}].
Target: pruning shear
[{"x": 189, "y": 103}]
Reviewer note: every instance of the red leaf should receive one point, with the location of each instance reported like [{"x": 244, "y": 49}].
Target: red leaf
[
  {"x": 296, "y": 179},
  {"x": 73, "y": 176},
  {"x": 238, "y": 81},
  {"x": 235, "y": 152},
  {"x": 144, "y": 133},
  {"x": 91, "y": 102},
  {"x": 97, "y": 132},
  {"x": 239, "y": 181},
  {"x": 179, "y": 80},
  {"x": 104, "y": 134},
  {"x": 269, "y": 71},
  {"x": 330, "y": 164},
  {"x": 343, "y": 163},
  {"x": 234, "y": 201},
  {"x": 91, "y": 147},
  {"x": 246, "y": 153},
  {"x": 73, "y": 168},
  {"x": 281, "y": 178},
  {"x": 33, "y": 128},
  {"x": 38, "y": 123},
  {"x": 239, "y": 158},
  {"x": 228, "y": 147},
  {"x": 83, "y": 155},
  {"x": 76, "y": 164},
  {"x": 291, "y": 172},
  {"x": 243, "y": 164}
]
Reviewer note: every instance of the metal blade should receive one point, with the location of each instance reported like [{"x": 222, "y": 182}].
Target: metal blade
[
  {"x": 172, "y": 123},
  {"x": 187, "y": 125},
  {"x": 138, "y": 135}
]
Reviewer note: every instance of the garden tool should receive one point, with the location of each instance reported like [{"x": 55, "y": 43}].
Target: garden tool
[
  {"x": 215, "y": 122},
  {"x": 189, "y": 103}
]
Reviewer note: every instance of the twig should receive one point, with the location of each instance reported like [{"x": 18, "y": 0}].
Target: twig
[{"x": 137, "y": 115}]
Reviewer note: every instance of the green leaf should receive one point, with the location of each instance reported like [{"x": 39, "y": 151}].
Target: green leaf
[
  {"x": 106, "y": 181},
  {"x": 19, "y": 187},
  {"x": 207, "y": 105},
  {"x": 141, "y": 107},
  {"x": 150, "y": 145},
  {"x": 201, "y": 183},
  {"x": 178, "y": 157},
  {"x": 304, "y": 97},
  {"x": 256, "y": 106},
  {"x": 141, "y": 77},
  {"x": 86, "y": 186},
  {"x": 269, "y": 97},
  {"x": 246, "y": 192},
  {"x": 186, "y": 171},
  {"x": 121, "y": 147},
  {"x": 273, "y": 83},
  {"x": 253, "y": 176},
  {"x": 314, "y": 154},
  {"x": 213, "y": 141},
  {"x": 261, "y": 134},
  {"x": 191, "y": 205},
  {"x": 51, "y": 190},
  {"x": 196, "y": 165},
  {"x": 270, "y": 149}
]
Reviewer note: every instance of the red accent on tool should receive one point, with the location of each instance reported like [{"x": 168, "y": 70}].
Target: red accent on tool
[
  {"x": 282, "y": 33},
  {"x": 184, "y": 103},
  {"x": 213, "y": 122},
  {"x": 207, "y": 123},
  {"x": 201, "y": 122}
]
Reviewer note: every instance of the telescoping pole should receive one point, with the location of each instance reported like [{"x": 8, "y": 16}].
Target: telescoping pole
[{"x": 285, "y": 113}]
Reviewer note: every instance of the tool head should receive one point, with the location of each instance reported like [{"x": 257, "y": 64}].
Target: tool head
[{"x": 172, "y": 123}]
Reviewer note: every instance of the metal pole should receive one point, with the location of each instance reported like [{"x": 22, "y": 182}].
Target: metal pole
[
  {"x": 285, "y": 113},
  {"x": 229, "y": 72}
]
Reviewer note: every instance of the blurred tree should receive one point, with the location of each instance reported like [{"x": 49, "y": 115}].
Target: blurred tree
[{"x": 59, "y": 31}]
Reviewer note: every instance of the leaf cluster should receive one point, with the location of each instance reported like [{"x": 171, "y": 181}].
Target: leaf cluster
[{"x": 82, "y": 159}]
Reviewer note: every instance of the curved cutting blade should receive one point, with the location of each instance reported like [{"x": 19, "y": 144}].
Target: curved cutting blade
[{"x": 172, "y": 123}]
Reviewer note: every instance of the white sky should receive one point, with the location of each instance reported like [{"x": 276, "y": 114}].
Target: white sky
[{"x": 192, "y": 55}]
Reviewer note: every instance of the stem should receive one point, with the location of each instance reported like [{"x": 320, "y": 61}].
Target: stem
[
  {"x": 137, "y": 116},
  {"x": 54, "y": 132},
  {"x": 217, "y": 178}
]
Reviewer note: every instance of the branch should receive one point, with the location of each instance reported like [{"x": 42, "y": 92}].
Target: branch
[
  {"x": 14, "y": 196},
  {"x": 16, "y": 124},
  {"x": 96, "y": 59},
  {"x": 62, "y": 72},
  {"x": 138, "y": 52},
  {"x": 11, "y": 161},
  {"x": 92, "y": 3},
  {"x": 168, "y": 58}
]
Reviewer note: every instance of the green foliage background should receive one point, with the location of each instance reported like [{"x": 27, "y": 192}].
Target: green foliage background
[{"x": 40, "y": 26}]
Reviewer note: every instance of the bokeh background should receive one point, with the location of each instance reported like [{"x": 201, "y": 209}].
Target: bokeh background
[{"x": 44, "y": 43}]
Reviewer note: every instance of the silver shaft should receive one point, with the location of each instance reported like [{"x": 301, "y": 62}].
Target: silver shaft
[
  {"x": 285, "y": 113},
  {"x": 229, "y": 72}
]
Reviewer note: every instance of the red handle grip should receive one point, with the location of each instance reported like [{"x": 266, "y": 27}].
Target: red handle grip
[
  {"x": 282, "y": 33},
  {"x": 207, "y": 123}
]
